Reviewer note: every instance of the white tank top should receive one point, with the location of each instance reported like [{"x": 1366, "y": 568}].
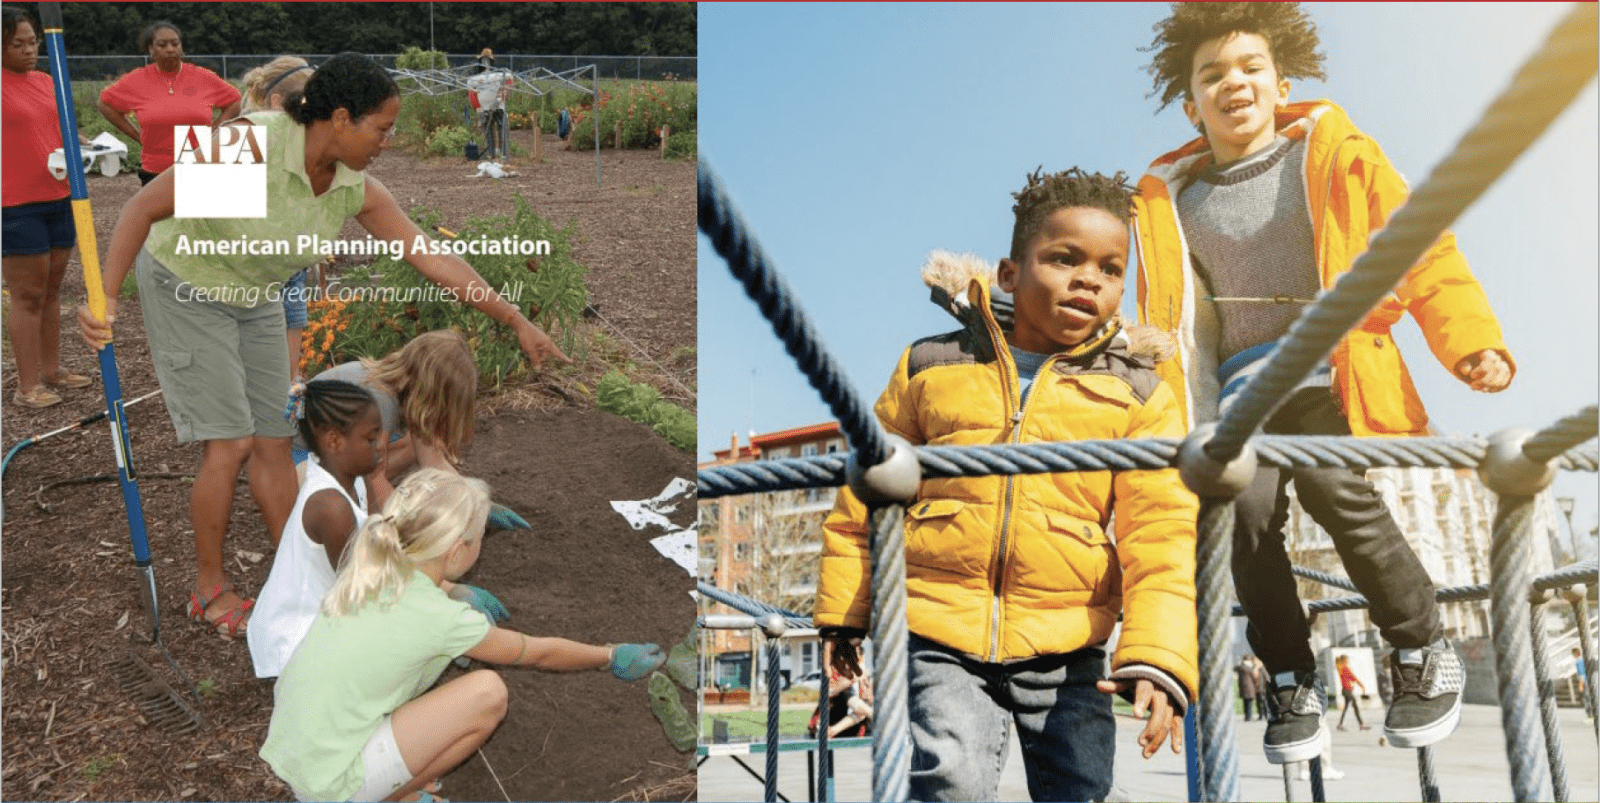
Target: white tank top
[{"x": 301, "y": 576}]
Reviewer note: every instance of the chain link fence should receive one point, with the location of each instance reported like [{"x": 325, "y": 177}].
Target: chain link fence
[{"x": 233, "y": 68}]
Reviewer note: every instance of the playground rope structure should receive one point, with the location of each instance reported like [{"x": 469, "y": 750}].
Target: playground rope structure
[{"x": 1217, "y": 460}]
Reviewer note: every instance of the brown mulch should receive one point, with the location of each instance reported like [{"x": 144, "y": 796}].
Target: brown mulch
[{"x": 69, "y": 605}]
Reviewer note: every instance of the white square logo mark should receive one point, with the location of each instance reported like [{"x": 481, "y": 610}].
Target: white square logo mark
[{"x": 220, "y": 173}]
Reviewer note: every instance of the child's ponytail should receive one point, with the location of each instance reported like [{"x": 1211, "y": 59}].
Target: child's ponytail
[{"x": 422, "y": 520}]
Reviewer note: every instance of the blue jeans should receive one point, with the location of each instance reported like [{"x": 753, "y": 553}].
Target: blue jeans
[{"x": 961, "y": 711}]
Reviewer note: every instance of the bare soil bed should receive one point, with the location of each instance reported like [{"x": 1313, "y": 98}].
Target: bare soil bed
[{"x": 71, "y": 607}]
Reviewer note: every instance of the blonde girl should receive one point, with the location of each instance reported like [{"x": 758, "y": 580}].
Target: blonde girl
[
  {"x": 350, "y": 719},
  {"x": 435, "y": 382},
  {"x": 265, "y": 87}
]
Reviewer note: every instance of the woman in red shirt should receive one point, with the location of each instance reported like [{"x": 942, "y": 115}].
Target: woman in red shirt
[
  {"x": 1347, "y": 683},
  {"x": 165, "y": 94},
  {"x": 39, "y": 233}
]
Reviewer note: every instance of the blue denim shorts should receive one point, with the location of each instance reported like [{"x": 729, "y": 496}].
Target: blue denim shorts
[
  {"x": 32, "y": 229},
  {"x": 294, "y": 301}
]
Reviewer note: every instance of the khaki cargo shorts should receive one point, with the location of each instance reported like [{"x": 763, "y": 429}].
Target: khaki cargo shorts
[{"x": 223, "y": 370}]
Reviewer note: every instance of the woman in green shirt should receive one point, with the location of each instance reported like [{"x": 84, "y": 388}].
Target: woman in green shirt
[{"x": 216, "y": 333}]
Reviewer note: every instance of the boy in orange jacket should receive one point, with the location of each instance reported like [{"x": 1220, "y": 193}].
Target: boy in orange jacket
[{"x": 1238, "y": 230}]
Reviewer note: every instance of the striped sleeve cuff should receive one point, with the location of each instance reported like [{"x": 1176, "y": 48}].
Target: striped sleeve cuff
[{"x": 1162, "y": 680}]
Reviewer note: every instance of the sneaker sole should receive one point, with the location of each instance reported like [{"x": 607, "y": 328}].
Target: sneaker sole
[
  {"x": 1304, "y": 750},
  {"x": 1427, "y": 734}
]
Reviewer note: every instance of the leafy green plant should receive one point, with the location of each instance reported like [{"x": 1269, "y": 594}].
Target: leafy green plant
[
  {"x": 641, "y": 108},
  {"x": 206, "y": 687},
  {"x": 384, "y": 305},
  {"x": 422, "y": 115},
  {"x": 615, "y": 393},
  {"x": 682, "y": 145},
  {"x": 450, "y": 140},
  {"x": 415, "y": 58}
]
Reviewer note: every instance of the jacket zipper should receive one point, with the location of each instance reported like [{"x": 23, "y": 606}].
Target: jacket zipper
[
  {"x": 1322, "y": 241},
  {"x": 1017, "y": 407}
]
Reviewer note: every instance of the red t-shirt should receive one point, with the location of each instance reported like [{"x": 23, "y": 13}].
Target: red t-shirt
[
  {"x": 32, "y": 131},
  {"x": 165, "y": 101},
  {"x": 1347, "y": 679}
]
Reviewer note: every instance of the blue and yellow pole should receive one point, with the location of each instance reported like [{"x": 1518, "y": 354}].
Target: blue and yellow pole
[{"x": 50, "y": 16}]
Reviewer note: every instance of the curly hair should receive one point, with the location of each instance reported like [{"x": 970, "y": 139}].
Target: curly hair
[
  {"x": 1291, "y": 41},
  {"x": 348, "y": 81},
  {"x": 1071, "y": 187}
]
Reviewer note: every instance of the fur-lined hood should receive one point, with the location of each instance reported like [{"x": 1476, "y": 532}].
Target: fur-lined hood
[{"x": 954, "y": 281}]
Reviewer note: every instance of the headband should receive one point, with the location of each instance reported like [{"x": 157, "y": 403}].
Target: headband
[{"x": 266, "y": 92}]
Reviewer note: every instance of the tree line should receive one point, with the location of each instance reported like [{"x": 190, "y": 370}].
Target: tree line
[{"x": 617, "y": 29}]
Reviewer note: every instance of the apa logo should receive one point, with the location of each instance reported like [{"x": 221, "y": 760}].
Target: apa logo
[{"x": 220, "y": 173}]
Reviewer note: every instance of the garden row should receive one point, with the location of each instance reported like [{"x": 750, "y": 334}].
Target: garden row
[{"x": 441, "y": 124}]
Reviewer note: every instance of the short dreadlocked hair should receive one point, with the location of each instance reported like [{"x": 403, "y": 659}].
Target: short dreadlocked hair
[
  {"x": 1071, "y": 187},
  {"x": 1291, "y": 41}
]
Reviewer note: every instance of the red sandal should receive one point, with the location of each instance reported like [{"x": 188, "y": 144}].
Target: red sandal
[{"x": 231, "y": 624}]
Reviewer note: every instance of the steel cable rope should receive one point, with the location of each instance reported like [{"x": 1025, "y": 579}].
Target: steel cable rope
[
  {"x": 1280, "y": 451},
  {"x": 1584, "y": 572},
  {"x": 1509, "y": 568},
  {"x": 1219, "y": 763},
  {"x": 1544, "y": 86},
  {"x": 1556, "y": 439},
  {"x": 749, "y": 264},
  {"x": 751, "y": 607},
  {"x": 1546, "y": 691}
]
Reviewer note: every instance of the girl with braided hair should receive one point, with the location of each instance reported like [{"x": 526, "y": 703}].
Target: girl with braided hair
[
  {"x": 341, "y": 425},
  {"x": 350, "y": 720}
]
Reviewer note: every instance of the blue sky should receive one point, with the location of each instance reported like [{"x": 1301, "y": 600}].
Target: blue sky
[{"x": 856, "y": 138}]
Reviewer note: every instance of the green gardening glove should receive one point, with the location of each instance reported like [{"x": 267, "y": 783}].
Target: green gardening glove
[
  {"x": 481, "y": 601},
  {"x": 504, "y": 518},
  {"x": 632, "y": 662}
]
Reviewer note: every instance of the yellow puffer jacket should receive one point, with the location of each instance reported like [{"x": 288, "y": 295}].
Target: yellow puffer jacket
[
  {"x": 1007, "y": 568},
  {"x": 1350, "y": 188}
]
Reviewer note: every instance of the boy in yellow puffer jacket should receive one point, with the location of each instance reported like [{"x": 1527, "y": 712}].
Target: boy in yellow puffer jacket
[
  {"x": 1014, "y": 584},
  {"x": 1237, "y": 231}
]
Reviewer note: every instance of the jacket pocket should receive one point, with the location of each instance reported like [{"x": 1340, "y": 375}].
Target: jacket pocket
[
  {"x": 1389, "y": 401},
  {"x": 175, "y": 360},
  {"x": 1078, "y": 528},
  {"x": 943, "y": 534},
  {"x": 1087, "y": 553}
]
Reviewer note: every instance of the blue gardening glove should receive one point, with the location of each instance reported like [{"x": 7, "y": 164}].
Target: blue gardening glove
[
  {"x": 504, "y": 518},
  {"x": 480, "y": 600},
  {"x": 632, "y": 662}
]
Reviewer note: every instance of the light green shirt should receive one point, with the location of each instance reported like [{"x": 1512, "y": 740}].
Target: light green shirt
[
  {"x": 352, "y": 670},
  {"x": 293, "y": 210}
]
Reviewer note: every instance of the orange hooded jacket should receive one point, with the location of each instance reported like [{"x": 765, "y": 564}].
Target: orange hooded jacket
[{"x": 1350, "y": 191}]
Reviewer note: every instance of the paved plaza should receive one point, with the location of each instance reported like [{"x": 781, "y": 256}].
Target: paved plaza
[{"x": 1470, "y": 766}]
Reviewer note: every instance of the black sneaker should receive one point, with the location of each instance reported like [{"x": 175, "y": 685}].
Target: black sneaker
[
  {"x": 1294, "y": 724},
  {"x": 1427, "y": 694}
]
